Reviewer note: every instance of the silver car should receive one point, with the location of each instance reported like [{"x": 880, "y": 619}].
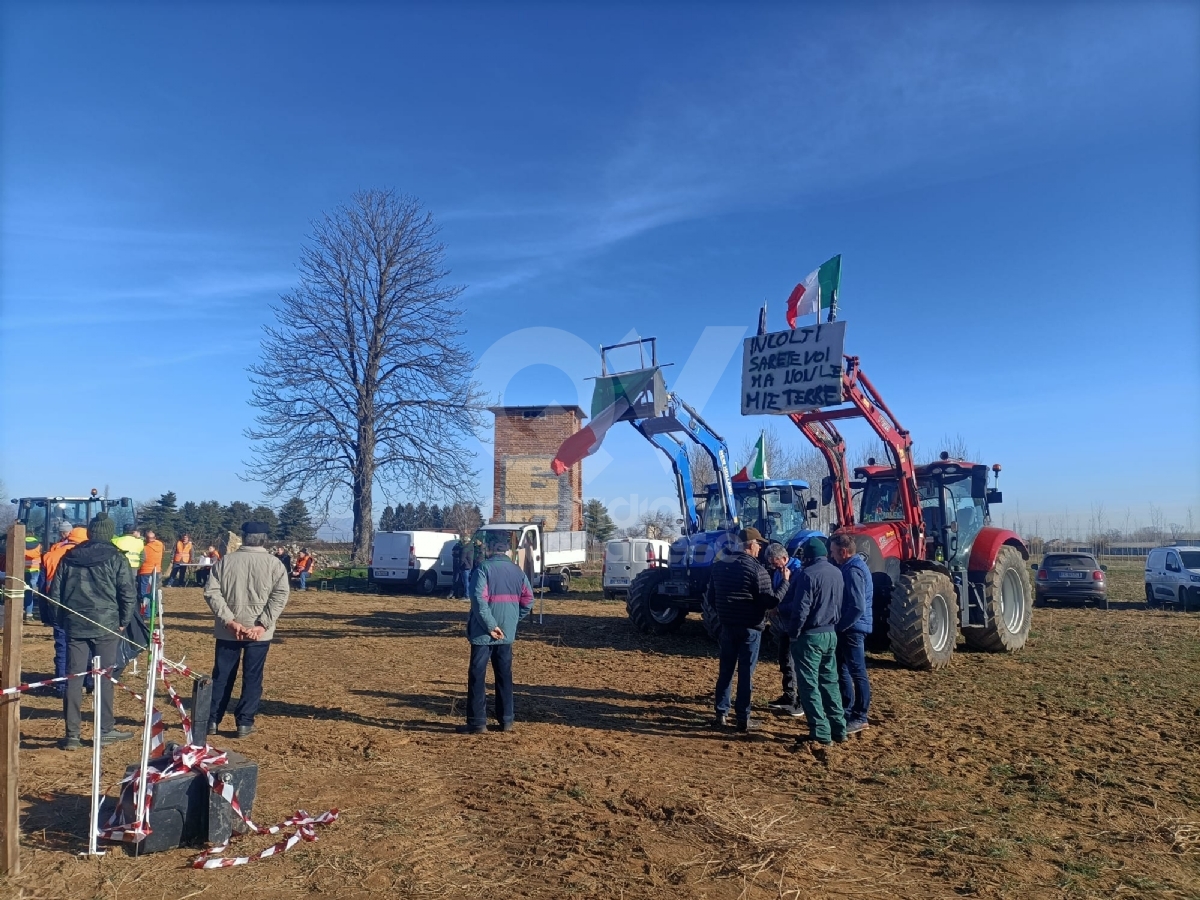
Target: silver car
[{"x": 1173, "y": 577}]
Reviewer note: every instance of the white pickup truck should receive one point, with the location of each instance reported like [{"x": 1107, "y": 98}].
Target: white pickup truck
[{"x": 552, "y": 557}]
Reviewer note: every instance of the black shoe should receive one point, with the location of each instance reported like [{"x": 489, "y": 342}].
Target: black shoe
[
  {"x": 69, "y": 744},
  {"x": 471, "y": 729},
  {"x": 720, "y": 721},
  {"x": 796, "y": 712},
  {"x": 111, "y": 737},
  {"x": 812, "y": 739},
  {"x": 212, "y": 727},
  {"x": 245, "y": 730},
  {"x": 747, "y": 726},
  {"x": 506, "y": 726},
  {"x": 783, "y": 702}
]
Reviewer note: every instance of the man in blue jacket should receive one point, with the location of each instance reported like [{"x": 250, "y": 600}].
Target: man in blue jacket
[
  {"x": 809, "y": 614},
  {"x": 500, "y": 598},
  {"x": 858, "y": 594},
  {"x": 783, "y": 568}
]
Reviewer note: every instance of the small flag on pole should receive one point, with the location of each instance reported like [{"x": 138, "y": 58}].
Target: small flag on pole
[
  {"x": 816, "y": 292},
  {"x": 756, "y": 469}
]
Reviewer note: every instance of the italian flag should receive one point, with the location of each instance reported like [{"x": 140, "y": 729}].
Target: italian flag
[
  {"x": 613, "y": 397},
  {"x": 756, "y": 469},
  {"x": 816, "y": 292}
]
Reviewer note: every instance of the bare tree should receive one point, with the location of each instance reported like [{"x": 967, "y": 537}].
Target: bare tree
[
  {"x": 703, "y": 471},
  {"x": 363, "y": 375},
  {"x": 656, "y": 524}
]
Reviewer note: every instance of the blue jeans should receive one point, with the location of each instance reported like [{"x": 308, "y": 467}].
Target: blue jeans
[
  {"x": 31, "y": 579},
  {"x": 739, "y": 648},
  {"x": 304, "y": 581},
  {"x": 500, "y": 656},
  {"x": 253, "y": 658},
  {"x": 461, "y": 581},
  {"x": 852, "y": 674}
]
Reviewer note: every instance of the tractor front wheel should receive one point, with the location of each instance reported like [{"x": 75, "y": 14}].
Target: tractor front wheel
[
  {"x": 708, "y": 615},
  {"x": 881, "y": 584},
  {"x": 1009, "y": 600},
  {"x": 923, "y": 620},
  {"x": 645, "y": 605}
]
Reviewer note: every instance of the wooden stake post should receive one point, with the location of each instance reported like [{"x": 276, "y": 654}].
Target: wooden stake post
[{"x": 10, "y": 706}]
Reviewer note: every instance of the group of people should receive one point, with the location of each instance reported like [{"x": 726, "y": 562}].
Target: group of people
[
  {"x": 818, "y": 606},
  {"x": 821, "y": 612},
  {"x": 181, "y": 561},
  {"x": 91, "y": 582}
]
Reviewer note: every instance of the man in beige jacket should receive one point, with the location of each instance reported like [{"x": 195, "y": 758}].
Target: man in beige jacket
[{"x": 246, "y": 591}]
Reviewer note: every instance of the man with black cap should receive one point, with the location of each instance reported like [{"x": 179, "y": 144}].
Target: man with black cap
[
  {"x": 740, "y": 589},
  {"x": 95, "y": 599},
  {"x": 246, "y": 591},
  {"x": 809, "y": 614}
]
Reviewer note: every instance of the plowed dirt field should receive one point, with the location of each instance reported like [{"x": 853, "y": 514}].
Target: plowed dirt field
[{"x": 1067, "y": 770}]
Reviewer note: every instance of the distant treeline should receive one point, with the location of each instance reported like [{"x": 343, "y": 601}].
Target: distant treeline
[
  {"x": 207, "y": 520},
  {"x": 461, "y": 518}
]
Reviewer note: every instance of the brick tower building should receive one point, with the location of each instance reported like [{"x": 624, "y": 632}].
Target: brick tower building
[{"x": 527, "y": 437}]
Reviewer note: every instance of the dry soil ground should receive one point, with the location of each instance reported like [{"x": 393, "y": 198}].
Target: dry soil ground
[{"x": 1066, "y": 770}]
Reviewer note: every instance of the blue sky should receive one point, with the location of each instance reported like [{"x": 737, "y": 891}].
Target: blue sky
[{"x": 1014, "y": 189}]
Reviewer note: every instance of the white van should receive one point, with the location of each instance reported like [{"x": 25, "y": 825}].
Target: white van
[
  {"x": 411, "y": 558},
  {"x": 625, "y": 559},
  {"x": 1173, "y": 577}
]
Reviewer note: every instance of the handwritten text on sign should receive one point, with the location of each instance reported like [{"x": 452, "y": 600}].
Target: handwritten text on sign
[{"x": 794, "y": 370}]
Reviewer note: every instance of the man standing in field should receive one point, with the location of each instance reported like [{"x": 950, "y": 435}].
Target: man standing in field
[
  {"x": 247, "y": 590},
  {"x": 783, "y": 567},
  {"x": 809, "y": 614},
  {"x": 181, "y": 559},
  {"x": 152, "y": 554},
  {"x": 853, "y": 626},
  {"x": 95, "y": 596},
  {"x": 500, "y": 598},
  {"x": 742, "y": 593}
]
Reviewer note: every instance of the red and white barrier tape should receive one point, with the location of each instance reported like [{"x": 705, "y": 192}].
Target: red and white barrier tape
[{"x": 29, "y": 686}]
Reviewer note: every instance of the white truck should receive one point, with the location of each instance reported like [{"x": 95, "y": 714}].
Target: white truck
[
  {"x": 552, "y": 558},
  {"x": 412, "y": 559}
]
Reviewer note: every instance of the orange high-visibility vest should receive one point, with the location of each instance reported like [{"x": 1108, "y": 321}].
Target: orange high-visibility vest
[
  {"x": 152, "y": 556},
  {"x": 183, "y": 552},
  {"x": 305, "y": 564},
  {"x": 33, "y": 559}
]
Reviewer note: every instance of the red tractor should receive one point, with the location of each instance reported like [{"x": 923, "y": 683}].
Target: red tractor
[{"x": 925, "y": 531}]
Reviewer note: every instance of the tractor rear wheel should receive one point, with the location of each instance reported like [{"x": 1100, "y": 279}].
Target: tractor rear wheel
[
  {"x": 642, "y": 604},
  {"x": 1007, "y": 593},
  {"x": 923, "y": 620}
]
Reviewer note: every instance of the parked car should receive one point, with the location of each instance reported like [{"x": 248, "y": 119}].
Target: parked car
[
  {"x": 627, "y": 558},
  {"x": 1070, "y": 576},
  {"x": 1173, "y": 576}
]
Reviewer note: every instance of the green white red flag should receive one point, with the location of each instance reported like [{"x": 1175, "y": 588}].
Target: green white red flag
[
  {"x": 613, "y": 397},
  {"x": 756, "y": 469},
  {"x": 816, "y": 292}
]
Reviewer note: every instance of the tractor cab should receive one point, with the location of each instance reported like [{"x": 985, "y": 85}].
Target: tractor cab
[
  {"x": 954, "y": 499},
  {"x": 780, "y": 510},
  {"x": 42, "y": 516}
]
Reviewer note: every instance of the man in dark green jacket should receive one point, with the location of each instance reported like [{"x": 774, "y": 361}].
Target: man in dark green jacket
[{"x": 96, "y": 597}]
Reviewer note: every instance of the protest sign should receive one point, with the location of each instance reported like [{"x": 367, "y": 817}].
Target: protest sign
[{"x": 793, "y": 370}]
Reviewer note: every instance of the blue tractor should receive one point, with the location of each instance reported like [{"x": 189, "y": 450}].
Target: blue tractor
[{"x": 661, "y": 597}]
